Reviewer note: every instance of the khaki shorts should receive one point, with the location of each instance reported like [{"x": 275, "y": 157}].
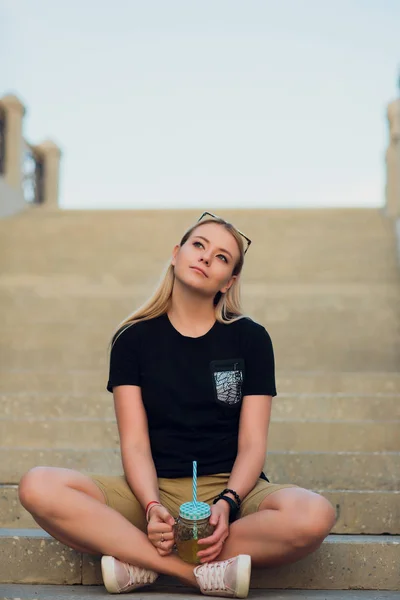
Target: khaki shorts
[{"x": 174, "y": 492}]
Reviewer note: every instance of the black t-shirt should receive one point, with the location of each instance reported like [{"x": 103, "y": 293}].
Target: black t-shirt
[{"x": 192, "y": 388}]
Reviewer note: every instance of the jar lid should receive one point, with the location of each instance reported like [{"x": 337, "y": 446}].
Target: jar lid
[{"x": 194, "y": 510}]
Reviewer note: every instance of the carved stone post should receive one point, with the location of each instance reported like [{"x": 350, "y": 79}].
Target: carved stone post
[
  {"x": 50, "y": 155},
  {"x": 392, "y": 208},
  {"x": 14, "y": 112}
]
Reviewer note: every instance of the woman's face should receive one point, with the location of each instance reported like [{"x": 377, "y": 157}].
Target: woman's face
[{"x": 207, "y": 259}]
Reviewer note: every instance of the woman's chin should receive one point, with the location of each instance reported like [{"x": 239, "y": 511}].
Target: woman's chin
[{"x": 195, "y": 285}]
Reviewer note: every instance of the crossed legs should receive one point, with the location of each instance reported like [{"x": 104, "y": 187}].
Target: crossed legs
[{"x": 290, "y": 524}]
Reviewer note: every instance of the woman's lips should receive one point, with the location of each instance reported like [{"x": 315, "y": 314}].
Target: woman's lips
[{"x": 199, "y": 270}]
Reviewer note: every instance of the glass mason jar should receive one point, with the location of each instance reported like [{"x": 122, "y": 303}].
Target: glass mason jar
[{"x": 192, "y": 525}]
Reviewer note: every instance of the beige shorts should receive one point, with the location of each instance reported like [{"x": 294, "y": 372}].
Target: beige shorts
[{"x": 174, "y": 492}]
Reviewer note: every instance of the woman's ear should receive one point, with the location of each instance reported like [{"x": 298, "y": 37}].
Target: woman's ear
[
  {"x": 228, "y": 285},
  {"x": 174, "y": 254}
]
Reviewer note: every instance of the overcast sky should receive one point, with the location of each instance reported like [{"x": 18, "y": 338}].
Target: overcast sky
[{"x": 207, "y": 103}]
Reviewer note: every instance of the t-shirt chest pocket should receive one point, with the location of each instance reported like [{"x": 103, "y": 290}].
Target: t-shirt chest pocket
[{"x": 228, "y": 377}]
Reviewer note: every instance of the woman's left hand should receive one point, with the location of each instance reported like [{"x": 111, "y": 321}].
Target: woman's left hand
[{"x": 220, "y": 519}]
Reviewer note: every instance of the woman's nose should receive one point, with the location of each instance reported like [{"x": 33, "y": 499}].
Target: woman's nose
[{"x": 205, "y": 258}]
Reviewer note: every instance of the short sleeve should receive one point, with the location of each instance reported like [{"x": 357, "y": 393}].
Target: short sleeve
[
  {"x": 259, "y": 377},
  {"x": 124, "y": 359}
]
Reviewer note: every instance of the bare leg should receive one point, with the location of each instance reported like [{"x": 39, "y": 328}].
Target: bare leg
[
  {"x": 71, "y": 508},
  {"x": 290, "y": 524}
]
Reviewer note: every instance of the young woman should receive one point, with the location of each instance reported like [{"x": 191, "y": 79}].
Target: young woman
[{"x": 192, "y": 379}]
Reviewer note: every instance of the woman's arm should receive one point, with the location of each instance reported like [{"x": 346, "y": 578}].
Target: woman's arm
[
  {"x": 253, "y": 431},
  {"x": 252, "y": 446},
  {"x": 136, "y": 454}
]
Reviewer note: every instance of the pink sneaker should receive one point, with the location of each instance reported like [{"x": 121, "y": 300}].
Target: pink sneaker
[
  {"x": 119, "y": 577},
  {"x": 227, "y": 578}
]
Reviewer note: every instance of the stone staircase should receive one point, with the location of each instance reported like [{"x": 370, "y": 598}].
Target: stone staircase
[{"x": 326, "y": 285}]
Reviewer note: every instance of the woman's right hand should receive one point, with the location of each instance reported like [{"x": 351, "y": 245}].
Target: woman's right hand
[{"x": 160, "y": 530}]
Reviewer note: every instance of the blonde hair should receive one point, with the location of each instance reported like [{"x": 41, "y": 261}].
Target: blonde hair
[{"x": 227, "y": 306}]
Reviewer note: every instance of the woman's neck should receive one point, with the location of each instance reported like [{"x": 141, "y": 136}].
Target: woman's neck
[{"x": 191, "y": 314}]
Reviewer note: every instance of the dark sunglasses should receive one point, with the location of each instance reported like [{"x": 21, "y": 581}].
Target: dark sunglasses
[{"x": 208, "y": 214}]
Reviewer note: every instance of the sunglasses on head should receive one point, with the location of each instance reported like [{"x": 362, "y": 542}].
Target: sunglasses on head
[{"x": 208, "y": 214}]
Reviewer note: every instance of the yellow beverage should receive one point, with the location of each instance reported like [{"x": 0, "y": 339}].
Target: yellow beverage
[
  {"x": 193, "y": 524},
  {"x": 188, "y": 549}
]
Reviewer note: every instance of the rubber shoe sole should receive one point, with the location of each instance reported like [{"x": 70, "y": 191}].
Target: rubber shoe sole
[
  {"x": 108, "y": 572},
  {"x": 110, "y": 580},
  {"x": 243, "y": 575}
]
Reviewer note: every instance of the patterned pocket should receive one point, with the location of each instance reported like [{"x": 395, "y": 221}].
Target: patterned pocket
[{"x": 228, "y": 378}]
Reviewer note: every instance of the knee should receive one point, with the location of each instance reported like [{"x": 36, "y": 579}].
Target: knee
[
  {"x": 34, "y": 489},
  {"x": 314, "y": 521}
]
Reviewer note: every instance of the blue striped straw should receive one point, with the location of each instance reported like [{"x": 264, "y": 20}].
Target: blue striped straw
[{"x": 195, "y": 482}]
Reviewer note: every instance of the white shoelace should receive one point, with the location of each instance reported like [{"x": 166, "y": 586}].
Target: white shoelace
[
  {"x": 139, "y": 575},
  {"x": 212, "y": 576}
]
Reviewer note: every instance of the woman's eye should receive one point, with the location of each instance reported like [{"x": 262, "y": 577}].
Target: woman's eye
[
  {"x": 198, "y": 244},
  {"x": 223, "y": 257}
]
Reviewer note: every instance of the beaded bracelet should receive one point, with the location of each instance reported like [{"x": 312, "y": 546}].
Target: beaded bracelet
[{"x": 236, "y": 496}]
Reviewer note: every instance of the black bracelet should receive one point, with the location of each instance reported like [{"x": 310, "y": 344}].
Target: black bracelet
[
  {"x": 233, "y": 507},
  {"x": 237, "y": 498}
]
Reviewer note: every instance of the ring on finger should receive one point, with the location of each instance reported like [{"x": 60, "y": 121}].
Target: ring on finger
[{"x": 162, "y": 538}]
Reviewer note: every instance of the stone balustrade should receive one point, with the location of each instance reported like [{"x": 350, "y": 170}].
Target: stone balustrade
[
  {"x": 393, "y": 161},
  {"x": 29, "y": 173}
]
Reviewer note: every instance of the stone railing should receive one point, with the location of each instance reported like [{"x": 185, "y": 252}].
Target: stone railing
[
  {"x": 2, "y": 141},
  {"x": 29, "y": 174},
  {"x": 392, "y": 207},
  {"x": 393, "y": 161}
]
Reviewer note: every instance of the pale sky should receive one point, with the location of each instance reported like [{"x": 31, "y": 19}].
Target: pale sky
[{"x": 207, "y": 103}]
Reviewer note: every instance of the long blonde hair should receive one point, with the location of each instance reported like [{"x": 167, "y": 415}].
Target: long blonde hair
[{"x": 227, "y": 306}]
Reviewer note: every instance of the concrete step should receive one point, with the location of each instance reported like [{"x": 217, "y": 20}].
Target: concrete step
[
  {"x": 31, "y": 405},
  {"x": 56, "y": 352},
  {"x": 57, "y": 300},
  {"x": 346, "y": 236},
  {"x": 334, "y": 407},
  {"x": 334, "y": 436},
  {"x": 165, "y": 591},
  {"x": 284, "y": 264},
  {"x": 367, "y": 512},
  {"x": 313, "y": 470},
  {"x": 73, "y": 381},
  {"x": 89, "y": 357},
  {"x": 357, "y": 312},
  {"x": 324, "y": 321},
  {"x": 326, "y": 382},
  {"x": 330, "y": 407},
  {"x": 59, "y": 433},
  {"x": 342, "y": 562},
  {"x": 69, "y": 357},
  {"x": 93, "y": 381},
  {"x": 295, "y": 435}
]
